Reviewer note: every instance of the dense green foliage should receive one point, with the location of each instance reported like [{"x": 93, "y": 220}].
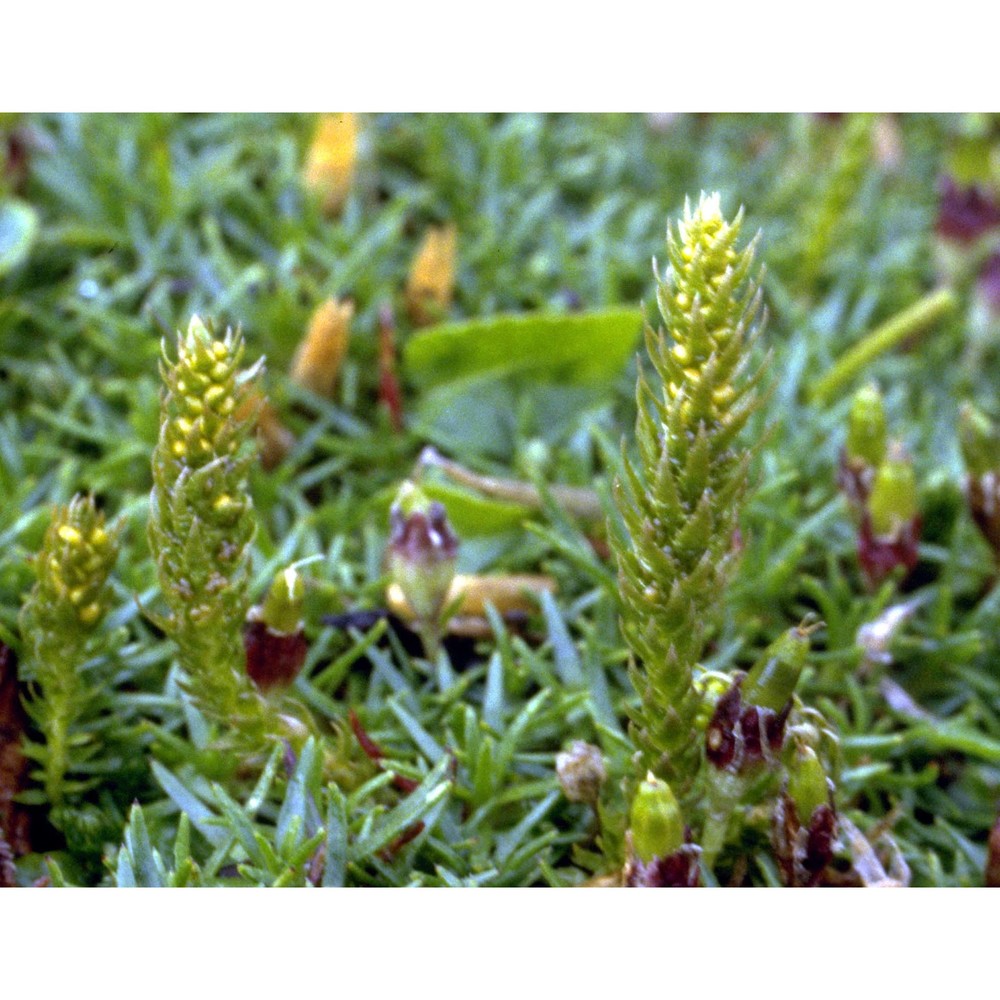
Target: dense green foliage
[{"x": 122, "y": 228}]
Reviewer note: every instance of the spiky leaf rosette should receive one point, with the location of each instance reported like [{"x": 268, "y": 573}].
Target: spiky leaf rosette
[
  {"x": 680, "y": 501},
  {"x": 66, "y": 605},
  {"x": 201, "y": 522}
]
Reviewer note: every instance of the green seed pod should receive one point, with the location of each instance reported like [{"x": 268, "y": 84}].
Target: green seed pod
[
  {"x": 282, "y": 609},
  {"x": 866, "y": 427},
  {"x": 656, "y": 822},
  {"x": 773, "y": 678},
  {"x": 893, "y": 500},
  {"x": 979, "y": 439},
  {"x": 808, "y": 786}
]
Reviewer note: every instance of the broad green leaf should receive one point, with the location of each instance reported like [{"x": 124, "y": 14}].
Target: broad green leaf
[
  {"x": 471, "y": 514},
  {"x": 484, "y": 414},
  {"x": 475, "y": 415},
  {"x": 585, "y": 348}
]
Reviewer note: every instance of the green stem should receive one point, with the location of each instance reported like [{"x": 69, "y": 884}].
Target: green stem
[
  {"x": 916, "y": 318},
  {"x": 55, "y": 760},
  {"x": 724, "y": 793},
  {"x": 575, "y": 500},
  {"x": 430, "y": 635}
]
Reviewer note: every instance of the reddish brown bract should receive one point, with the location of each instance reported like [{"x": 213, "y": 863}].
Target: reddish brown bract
[
  {"x": 993, "y": 857},
  {"x": 273, "y": 659},
  {"x": 879, "y": 555},
  {"x": 375, "y": 753},
  {"x": 679, "y": 870},
  {"x": 741, "y": 736},
  {"x": 803, "y": 852},
  {"x": 965, "y": 214},
  {"x": 983, "y": 495}
]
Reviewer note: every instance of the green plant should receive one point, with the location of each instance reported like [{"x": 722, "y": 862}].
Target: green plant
[
  {"x": 201, "y": 524},
  {"x": 127, "y": 225},
  {"x": 59, "y": 622},
  {"x": 680, "y": 501}
]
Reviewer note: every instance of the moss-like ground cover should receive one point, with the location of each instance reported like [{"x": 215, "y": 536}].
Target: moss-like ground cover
[{"x": 114, "y": 231}]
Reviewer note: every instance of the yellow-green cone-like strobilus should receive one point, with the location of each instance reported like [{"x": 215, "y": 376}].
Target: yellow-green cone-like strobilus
[
  {"x": 201, "y": 522},
  {"x": 680, "y": 499},
  {"x": 60, "y": 615}
]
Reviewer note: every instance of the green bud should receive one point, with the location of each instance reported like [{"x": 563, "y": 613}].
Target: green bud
[
  {"x": 411, "y": 499},
  {"x": 710, "y": 687},
  {"x": 423, "y": 552},
  {"x": 893, "y": 500},
  {"x": 773, "y": 678},
  {"x": 656, "y": 822},
  {"x": 979, "y": 439},
  {"x": 808, "y": 787},
  {"x": 866, "y": 427},
  {"x": 282, "y": 610}
]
